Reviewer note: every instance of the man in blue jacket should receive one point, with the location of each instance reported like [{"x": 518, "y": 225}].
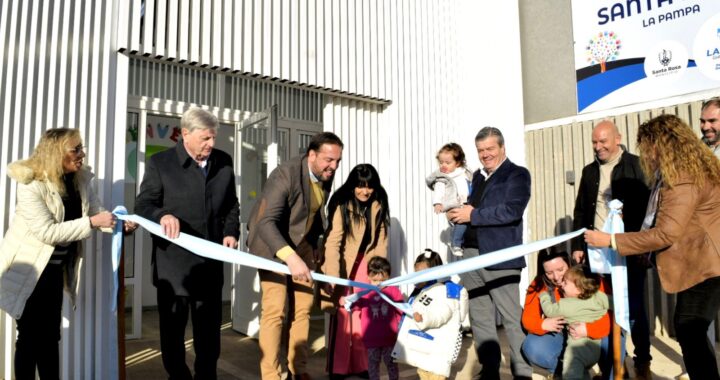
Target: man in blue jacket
[{"x": 500, "y": 194}]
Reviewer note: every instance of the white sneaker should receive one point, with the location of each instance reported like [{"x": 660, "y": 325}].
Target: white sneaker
[{"x": 457, "y": 251}]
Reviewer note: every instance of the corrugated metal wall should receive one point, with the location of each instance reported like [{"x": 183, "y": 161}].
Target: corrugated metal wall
[
  {"x": 215, "y": 88},
  {"x": 337, "y": 45},
  {"x": 552, "y": 152},
  {"x": 59, "y": 69},
  {"x": 401, "y": 140}
]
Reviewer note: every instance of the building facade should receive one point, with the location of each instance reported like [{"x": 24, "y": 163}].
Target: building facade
[{"x": 394, "y": 79}]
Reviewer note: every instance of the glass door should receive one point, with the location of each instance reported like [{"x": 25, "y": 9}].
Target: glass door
[{"x": 257, "y": 153}]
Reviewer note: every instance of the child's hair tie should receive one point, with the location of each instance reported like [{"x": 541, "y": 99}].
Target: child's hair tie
[{"x": 428, "y": 253}]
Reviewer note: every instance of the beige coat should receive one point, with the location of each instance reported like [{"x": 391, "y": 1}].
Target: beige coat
[
  {"x": 686, "y": 236},
  {"x": 35, "y": 230},
  {"x": 338, "y": 260}
]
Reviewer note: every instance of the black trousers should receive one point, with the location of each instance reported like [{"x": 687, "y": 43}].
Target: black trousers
[
  {"x": 38, "y": 338},
  {"x": 206, "y": 314},
  {"x": 696, "y": 308}
]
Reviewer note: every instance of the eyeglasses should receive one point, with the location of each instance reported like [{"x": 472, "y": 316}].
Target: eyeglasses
[{"x": 77, "y": 149}]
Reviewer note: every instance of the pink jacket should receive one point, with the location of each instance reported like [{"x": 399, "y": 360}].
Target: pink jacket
[{"x": 379, "y": 320}]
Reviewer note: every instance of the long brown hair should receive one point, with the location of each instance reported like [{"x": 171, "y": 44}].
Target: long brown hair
[
  {"x": 344, "y": 198},
  {"x": 668, "y": 145},
  {"x": 545, "y": 255},
  {"x": 46, "y": 160}
]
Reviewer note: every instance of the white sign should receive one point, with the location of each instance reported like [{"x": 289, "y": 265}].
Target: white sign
[{"x": 640, "y": 50}]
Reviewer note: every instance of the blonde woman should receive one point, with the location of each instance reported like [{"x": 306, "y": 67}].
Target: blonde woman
[
  {"x": 682, "y": 228},
  {"x": 56, "y": 209}
]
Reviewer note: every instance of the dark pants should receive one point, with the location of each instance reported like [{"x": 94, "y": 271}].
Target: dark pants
[
  {"x": 696, "y": 308},
  {"x": 639, "y": 326},
  {"x": 491, "y": 290},
  {"x": 206, "y": 316},
  {"x": 39, "y": 328}
]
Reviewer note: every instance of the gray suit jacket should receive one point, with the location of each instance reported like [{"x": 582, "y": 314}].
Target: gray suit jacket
[{"x": 280, "y": 215}]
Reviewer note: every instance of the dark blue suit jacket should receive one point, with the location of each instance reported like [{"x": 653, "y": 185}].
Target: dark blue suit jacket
[{"x": 497, "y": 219}]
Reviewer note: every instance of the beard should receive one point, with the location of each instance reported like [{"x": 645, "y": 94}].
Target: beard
[{"x": 711, "y": 141}]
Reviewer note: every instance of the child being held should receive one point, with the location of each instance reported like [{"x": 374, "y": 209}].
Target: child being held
[
  {"x": 451, "y": 186},
  {"x": 379, "y": 320},
  {"x": 581, "y": 302},
  {"x": 431, "y": 339}
]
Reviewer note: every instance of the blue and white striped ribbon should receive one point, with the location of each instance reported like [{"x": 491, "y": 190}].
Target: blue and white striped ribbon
[
  {"x": 607, "y": 260},
  {"x": 219, "y": 252}
]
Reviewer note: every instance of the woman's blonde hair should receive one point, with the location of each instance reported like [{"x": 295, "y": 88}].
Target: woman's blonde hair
[
  {"x": 667, "y": 144},
  {"x": 46, "y": 160}
]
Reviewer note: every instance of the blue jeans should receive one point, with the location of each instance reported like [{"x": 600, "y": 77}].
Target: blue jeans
[
  {"x": 458, "y": 230},
  {"x": 545, "y": 351}
]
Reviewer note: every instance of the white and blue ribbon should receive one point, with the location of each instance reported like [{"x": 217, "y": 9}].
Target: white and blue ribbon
[
  {"x": 219, "y": 252},
  {"x": 482, "y": 261},
  {"x": 607, "y": 260},
  {"x": 207, "y": 249},
  {"x": 117, "y": 241}
]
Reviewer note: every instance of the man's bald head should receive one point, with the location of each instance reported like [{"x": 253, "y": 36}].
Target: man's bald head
[{"x": 606, "y": 140}]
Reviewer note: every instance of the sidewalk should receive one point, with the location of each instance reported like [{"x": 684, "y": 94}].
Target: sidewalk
[{"x": 240, "y": 355}]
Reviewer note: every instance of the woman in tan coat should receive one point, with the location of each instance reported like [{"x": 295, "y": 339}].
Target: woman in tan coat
[
  {"x": 682, "y": 229},
  {"x": 41, "y": 251},
  {"x": 358, "y": 232}
]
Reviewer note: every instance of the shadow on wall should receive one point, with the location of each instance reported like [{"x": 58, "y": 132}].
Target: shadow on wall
[{"x": 397, "y": 249}]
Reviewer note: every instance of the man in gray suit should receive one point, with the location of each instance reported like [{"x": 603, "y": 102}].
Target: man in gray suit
[
  {"x": 190, "y": 189},
  {"x": 286, "y": 224}
]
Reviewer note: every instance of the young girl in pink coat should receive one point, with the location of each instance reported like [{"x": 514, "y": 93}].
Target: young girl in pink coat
[{"x": 380, "y": 320}]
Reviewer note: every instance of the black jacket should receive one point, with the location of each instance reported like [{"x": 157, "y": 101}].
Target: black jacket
[
  {"x": 627, "y": 185},
  {"x": 207, "y": 207}
]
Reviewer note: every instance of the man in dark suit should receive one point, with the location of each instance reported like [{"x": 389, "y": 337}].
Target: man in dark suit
[
  {"x": 286, "y": 224},
  {"x": 500, "y": 193},
  {"x": 616, "y": 174},
  {"x": 190, "y": 189}
]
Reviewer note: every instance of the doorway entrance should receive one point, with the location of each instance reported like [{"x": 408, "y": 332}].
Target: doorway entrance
[{"x": 258, "y": 141}]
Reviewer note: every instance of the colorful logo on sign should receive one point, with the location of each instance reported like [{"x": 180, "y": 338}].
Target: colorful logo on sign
[{"x": 603, "y": 47}]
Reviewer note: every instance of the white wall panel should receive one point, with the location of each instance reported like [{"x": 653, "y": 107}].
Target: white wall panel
[
  {"x": 337, "y": 45},
  {"x": 58, "y": 70},
  {"x": 399, "y": 139}
]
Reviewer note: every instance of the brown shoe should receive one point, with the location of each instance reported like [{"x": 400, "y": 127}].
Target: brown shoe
[
  {"x": 642, "y": 371},
  {"x": 303, "y": 376}
]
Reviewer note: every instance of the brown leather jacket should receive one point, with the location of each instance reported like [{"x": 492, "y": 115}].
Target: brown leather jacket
[{"x": 686, "y": 236}]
